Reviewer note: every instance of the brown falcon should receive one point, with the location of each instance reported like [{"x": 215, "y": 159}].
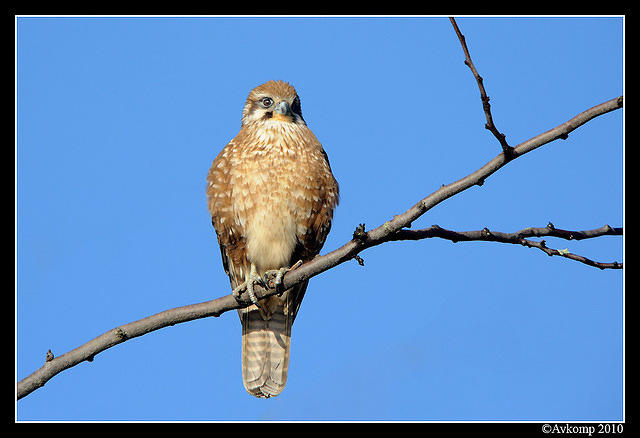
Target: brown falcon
[{"x": 271, "y": 195}]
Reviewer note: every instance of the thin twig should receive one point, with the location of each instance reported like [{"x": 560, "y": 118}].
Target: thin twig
[
  {"x": 565, "y": 253},
  {"x": 483, "y": 93}
]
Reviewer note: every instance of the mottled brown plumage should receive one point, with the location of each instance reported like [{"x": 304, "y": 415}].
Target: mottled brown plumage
[{"x": 271, "y": 195}]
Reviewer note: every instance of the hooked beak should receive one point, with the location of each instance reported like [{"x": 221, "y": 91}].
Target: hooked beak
[{"x": 282, "y": 111}]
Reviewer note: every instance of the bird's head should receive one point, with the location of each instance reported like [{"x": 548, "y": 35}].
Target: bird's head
[{"x": 273, "y": 100}]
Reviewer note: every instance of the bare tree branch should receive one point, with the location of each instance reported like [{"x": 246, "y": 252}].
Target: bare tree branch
[
  {"x": 486, "y": 106},
  {"x": 495, "y": 236},
  {"x": 518, "y": 238},
  {"x": 55, "y": 365}
]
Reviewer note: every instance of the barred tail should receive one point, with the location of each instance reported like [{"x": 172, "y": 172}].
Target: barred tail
[{"x": 266, "y": 341}]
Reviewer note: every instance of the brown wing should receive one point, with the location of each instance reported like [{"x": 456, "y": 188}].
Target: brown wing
[
  {"x": 325, "y": 198},
  {"x": 230, "y": 232}
]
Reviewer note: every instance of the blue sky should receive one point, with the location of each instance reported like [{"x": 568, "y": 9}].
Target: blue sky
[{"x": 119, "y": 119}]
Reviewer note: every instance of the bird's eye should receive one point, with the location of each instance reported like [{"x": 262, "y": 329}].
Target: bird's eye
[{"x": 266, "y": 102}]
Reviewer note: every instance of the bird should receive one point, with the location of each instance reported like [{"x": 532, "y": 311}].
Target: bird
[{"x": 271, "y": 195}]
